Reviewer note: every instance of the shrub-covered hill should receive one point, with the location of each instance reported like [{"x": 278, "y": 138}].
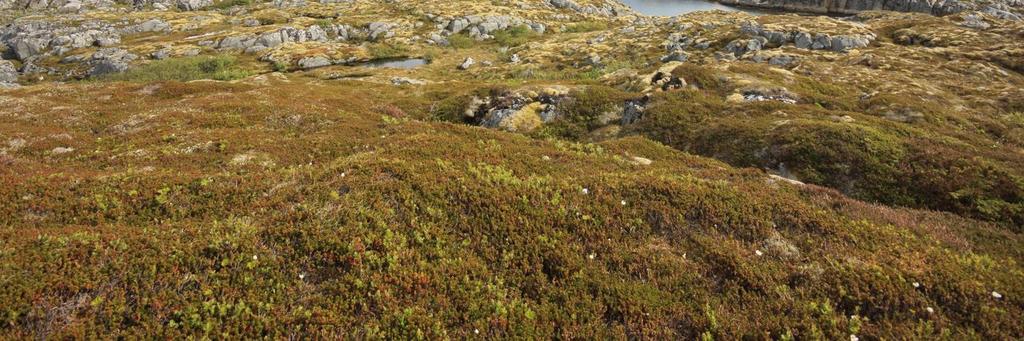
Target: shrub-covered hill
[{"x": 304, "y": 209}]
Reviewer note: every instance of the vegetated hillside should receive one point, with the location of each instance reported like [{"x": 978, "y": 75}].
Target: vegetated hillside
[
  {"x": 298, "y": 208},
  {"x": 508, "y": 169}
]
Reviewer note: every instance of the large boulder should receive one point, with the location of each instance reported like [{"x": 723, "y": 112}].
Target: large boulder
[
  {"x": 313, "y": 62},
  {"x": 193, "y": 5},
  {"x": 26, "y": 48}
]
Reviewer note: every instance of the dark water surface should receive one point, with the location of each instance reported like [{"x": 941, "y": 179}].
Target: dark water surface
[{"x": 405, "y": 63}]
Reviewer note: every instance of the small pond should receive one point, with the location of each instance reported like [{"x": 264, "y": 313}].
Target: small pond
[
  {"x": 670, "y": 8},
  {"x": 395, "y": 63}
]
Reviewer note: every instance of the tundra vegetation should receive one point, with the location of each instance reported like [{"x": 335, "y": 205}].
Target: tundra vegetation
[{"x": 519, "y": 169}]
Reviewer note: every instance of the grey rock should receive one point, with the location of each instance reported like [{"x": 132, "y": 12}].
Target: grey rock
[
  {"x": 313, "y": 62},
  {"x": 26, "y": 48},
  {"x": 105, "y": 67},
  {"x": 466, "y": 64},
  {"x": 8, "y": 73},
  {"x": 407, "y": 81},
  {"x": 193, "y": 5},
  {"x": 677, "y": 56},
  {"x": 380, "y": 30},
  {"x": 161, "y": 54},
  {"x": 803, "y": 40},
  {"x": 821, "y": 42},
  {"x": 783, "y": 60}
]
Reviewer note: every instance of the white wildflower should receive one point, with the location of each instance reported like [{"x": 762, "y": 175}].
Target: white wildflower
[
  {"x": 592, "y": 256},
  {"x": 930, "y": 310},
  {"x": 997, "y": 295},
  {"x": 623, "y": 203},
  {"x": 854, "y": 338},
  {"x": 916, "y": 284},
  {"x": 758, "y": 252},
  {"x": 586, "y": 191}
]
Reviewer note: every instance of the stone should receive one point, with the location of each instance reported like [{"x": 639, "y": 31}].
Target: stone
[
  {"x": 193, "y": 5},
  {"x": 803, "y": 40},
  {"x": 524, "y": 119},
  {"x": 664, "y": 80},
  {"x": 677, "y": 55},
  {"x": 313, "y": 62},
  {"x": 466, "y": 64},
  {"x": 108, "y": 67},
  {"x": 26, "y": 48},
  {"x": 406, "y": 81},
  {"x": 8, "y": 73},
  {"x": 783, "y": 60},
  {"x": 161, "y": 54},
  {"x": 847, "y": 42}
]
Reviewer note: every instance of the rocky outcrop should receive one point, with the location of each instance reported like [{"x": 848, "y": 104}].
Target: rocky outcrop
[
  {"x": 479, "y": 27},
  {"x": 934, "y": 7},
  {"x": 257, "y": 42},
  {"x": 765, "y": 37},
  {"x": 29, "y": 40}
]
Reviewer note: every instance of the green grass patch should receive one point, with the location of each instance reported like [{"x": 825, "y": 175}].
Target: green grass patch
[
  {"x": 514, "y": 36},
  {"x": 586, "y": 26},
  {"x": 384, "y": 50},
  {"x": 185, "y": 69}
]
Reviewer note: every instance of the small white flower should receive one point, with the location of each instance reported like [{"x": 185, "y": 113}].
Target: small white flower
[
  {"x": 586, "y": 191},
  {"x": 623, "y": 203},
  {"x": 930, "y": 310},
  {"x": 302, "y": 276},
  {"x": 343, "y": 174},
  {"x": 997, "y": 295},
  {"x": 916, "y": 284},
  {"x": 476, "y": 331},
  {"x": 758, "y": 252},
  {"x": 592, "y": 256},
  {"x": 854, "y": 338},
  {"x": 254, "y": 257}
]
